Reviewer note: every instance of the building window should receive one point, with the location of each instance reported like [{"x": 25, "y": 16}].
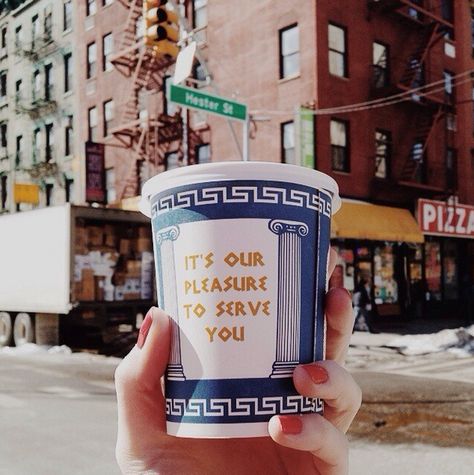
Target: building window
[
  {"x": 36, "y": 86},
  {"x": 19, "y": 151},
  {"x": 203, "y": 153},
  {"x": 67, "y": 15},
  {"x": 287, "y": 134},
  {"x": 171, "y": 160},
  {"x": 339, "y": 145},
  {"x": 34, "y": 30},
  {"x": 49, "y": 142},
  {"x": 3, "y": 84},
  {"x": 110, "y": 185},
  {"x": 382, "y": 153},
  {"x": 451, "y": 169},
  {"x": 92, "y": 124},
  {"x": 48, "y": 82},
  {"x": 380, "y": 65},
  {"x": 4, "y": 192},
  {"x": 3, "y": 135},
  {"x": 289, "y": 51},
  {"x": 200, "y": 19},
  {"x": 472, "y": 31},
  {"x": 69, "y": 189},
  {"x": 36, "y": 145},
  {"x": 48, "y": 25},
  {"x": 18, "y": 90},
  {"x": 449, "y": 86},
  {"x": 91, "y": 59},
  {"x": 169, "y": 108},
  {"x": 18, "y": 37},
  {"x": 107, "y": 50},
  {"x": 139, "y": 28},
  {"x": 451, "y": 122},
  {"x": 418, "y": 156},
  {"x": 108, "y": 116},
  {"x": 91, "y": 7},
  {"x": 49, "y": 193},
  {"x": 68, "y": 137},
  {"x": 337, "y": 51},
  {"x": 4, "y": 38},
  {"x": 67, "y": 72}
]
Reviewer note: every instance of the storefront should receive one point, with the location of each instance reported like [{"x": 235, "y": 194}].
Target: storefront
[
  {"x": 411, "y": 275},
  {"x": 449, "y": 258}
]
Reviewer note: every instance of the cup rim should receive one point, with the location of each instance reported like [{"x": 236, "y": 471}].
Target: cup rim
[{"x": 237, "y": 170}]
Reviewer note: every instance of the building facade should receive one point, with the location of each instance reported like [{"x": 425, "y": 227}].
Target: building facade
[
  {"x": 40, "y": 164},
  {"x": 298, "y": 65}
]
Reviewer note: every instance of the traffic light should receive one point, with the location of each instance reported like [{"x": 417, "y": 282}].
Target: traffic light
[{"x": 161, "y": 27}]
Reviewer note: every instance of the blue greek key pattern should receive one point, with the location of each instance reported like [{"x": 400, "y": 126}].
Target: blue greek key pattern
[
  {"x": 253, "y": 406},
  {"x": 242, "y": 194}
]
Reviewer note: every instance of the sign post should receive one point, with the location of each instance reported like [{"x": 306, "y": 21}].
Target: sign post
[{"x": 212, "y": 104}]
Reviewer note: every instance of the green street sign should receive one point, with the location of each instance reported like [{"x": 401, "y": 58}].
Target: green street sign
[{"x": 189, "y": 97}]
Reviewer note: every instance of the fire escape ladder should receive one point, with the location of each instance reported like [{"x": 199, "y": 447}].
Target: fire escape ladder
[
  {"x": 424, "y": 131},
  {"x": 195, "y": 139},
  {"x": 131, "y": 181},
  {"x": 418, "y": 57},
  {"x": 126, "y": 58}
]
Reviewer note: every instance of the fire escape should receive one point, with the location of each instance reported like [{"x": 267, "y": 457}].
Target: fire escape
[
  {"x": 149, "y": 134},
  {"x": 427, "y": 25}
]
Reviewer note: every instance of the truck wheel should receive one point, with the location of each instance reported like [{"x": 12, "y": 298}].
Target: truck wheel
[
  {"x": 5, "y": 329},
  {"x": 23, "y": 329}
]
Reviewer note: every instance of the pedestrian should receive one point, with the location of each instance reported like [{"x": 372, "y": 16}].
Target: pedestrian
[
  {"x": 300, "y": 444},
  {"x": 362, "y": 305}
]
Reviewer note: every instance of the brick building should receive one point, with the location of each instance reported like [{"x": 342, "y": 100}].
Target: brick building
[{"x": 280, "y": 56}]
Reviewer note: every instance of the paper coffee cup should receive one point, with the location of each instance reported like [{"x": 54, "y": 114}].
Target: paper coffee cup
[{"x": 241, "y": 251}]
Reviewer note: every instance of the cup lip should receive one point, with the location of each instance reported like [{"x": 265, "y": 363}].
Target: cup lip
[{"x": 237, "y": 170}]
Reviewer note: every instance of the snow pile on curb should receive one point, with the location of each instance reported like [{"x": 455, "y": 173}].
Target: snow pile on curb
[
  {"x": 34, "y": 349},
  {"x": 458, "y": 341}
]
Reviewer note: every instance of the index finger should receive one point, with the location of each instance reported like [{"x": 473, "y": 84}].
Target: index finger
[{"x": 340, "y": 322}]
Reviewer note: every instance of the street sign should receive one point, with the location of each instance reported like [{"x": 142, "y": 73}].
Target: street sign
[
  {"x": 189, "y": 97},
  {"x": 306, "y": 138},
  {"x": 26, "y": 193},
  {"x": 95, "y": 173}
]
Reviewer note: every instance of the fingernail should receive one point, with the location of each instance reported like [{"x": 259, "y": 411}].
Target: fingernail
[
  {"x": 290, "y": 425},
  {"x": 317, "y": 373},
  {"x": 144, "y": 328}
]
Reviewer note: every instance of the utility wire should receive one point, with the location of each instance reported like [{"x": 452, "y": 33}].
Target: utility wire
[{"x": 382, "y": 102}]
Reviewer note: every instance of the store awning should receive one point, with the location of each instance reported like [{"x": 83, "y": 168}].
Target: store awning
[{"x": 359, "y": 220}]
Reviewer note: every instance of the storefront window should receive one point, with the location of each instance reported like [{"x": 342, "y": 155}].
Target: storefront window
[
  {"x": 450, "y": 275},
  {"x": 363, "y": 266},
  {"x": 433, "y": 269},
  {"x": 415, "y": 265},
  {"x": 385, "y": 285}
]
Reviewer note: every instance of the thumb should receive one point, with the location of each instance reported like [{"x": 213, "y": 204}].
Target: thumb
[{"x": 140, "y": 400}]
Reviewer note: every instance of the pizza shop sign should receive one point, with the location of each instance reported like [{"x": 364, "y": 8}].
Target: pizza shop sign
[{"x": 441, "y": 219}]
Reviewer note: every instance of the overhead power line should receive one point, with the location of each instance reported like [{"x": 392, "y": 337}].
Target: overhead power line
[{"x": 381, "y": 102}]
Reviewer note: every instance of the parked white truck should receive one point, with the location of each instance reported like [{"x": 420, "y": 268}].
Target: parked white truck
[{"x": 73, "y": 275}]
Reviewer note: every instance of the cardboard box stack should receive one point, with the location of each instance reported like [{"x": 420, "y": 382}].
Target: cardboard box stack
[{"x": 112, "y": 262}]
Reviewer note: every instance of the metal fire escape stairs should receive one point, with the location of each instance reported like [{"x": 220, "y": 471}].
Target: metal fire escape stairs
[
  {"x": 148, "y": 134},
  {"x": 431, "y": 28}
]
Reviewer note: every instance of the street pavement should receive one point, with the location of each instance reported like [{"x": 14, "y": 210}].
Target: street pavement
[{"x": 58, "y": 413}]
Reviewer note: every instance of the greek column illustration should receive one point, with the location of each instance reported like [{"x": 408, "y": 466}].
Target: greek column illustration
[
  {"x": 169, "y": 300},
  {"x": 289, "y": 295}
]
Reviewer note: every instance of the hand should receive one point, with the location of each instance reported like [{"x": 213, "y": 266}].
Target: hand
[{"x": 307, "y": 444}]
